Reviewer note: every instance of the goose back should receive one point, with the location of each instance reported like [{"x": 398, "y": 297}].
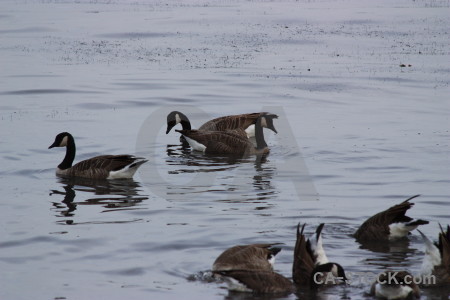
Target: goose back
[
  {"x": 377, "y": 227},
  {"x": 247, "y": 257}
]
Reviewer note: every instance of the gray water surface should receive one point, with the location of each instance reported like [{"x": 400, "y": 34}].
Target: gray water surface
[{"x": 362, "y": 94}]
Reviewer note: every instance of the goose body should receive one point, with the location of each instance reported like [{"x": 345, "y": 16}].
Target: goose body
[
  {"x": 99, "y": 167},
  {"x": 257, "y": 282},
  {"x": 395, "y": 285},
  {"x": 247, "y": 257},
  {"x": 389, "y": 224},
  {"x": 230, "y": 141},
  {"x": 245, "y": 122},
  {"x": 311, "y": 266},
  {"x": 436, "y": 262}
]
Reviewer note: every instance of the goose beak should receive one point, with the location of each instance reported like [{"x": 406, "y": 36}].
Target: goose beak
[
  {"x": 273, "y": 129},
  {"x": 52, "y": 146}
]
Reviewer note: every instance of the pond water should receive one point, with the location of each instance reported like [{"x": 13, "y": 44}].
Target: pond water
[{"x": 361, "y": 90}]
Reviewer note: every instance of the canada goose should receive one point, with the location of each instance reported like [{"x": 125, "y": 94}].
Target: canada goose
[
  {"x": 389, "y": 224},
  {"x": 436, "y": 263},
  {"x": 230, "y": 141},
  {"x": 310, "y": 269},
  {"x": 311, "y": 266},
  {"x": 247, "y": 257},
  {"x": 99, "y": 167},
  {"x": 243, "y": 121},
  {"x": 395, "y": 285}
]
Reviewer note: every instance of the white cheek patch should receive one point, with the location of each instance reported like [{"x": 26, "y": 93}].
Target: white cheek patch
[
  {"x": 64, "y": 142},
  {"x": 177, "y": 118},
  {"x": 263, "y": 122}
]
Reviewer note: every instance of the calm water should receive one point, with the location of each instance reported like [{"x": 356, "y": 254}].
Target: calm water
[{"x": 362, "y": 95}]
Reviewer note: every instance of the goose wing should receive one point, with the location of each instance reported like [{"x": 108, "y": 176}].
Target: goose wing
[
  {"x": 221, "y": 142},
  {"x": 303, "y": 265},
  {"x": 261, "y": 282},
  {"x": 444, "y": 249},
  {"x": 231, "y": 122},
  {"x": 246, "y": 257},
  {"x": 100, "y": 166},
  {"x": 377, "y": 226}
]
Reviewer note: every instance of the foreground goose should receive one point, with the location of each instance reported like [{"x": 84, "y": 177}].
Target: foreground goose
[
  {"x": 244, "y": 121},
  {"x": 395, "y": 285},
  {"x": 247, "y": 257},
  {"x": 436, "y": 263},
  {"x": 311, "y": 269},
  {"x": 230, "y": 141},
  {"x": 389, "y": 224},
  {"x": 311, "y": 265},
  {"x": 99, "y": 167}
]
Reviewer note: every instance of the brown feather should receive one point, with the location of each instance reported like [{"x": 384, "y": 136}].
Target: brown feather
[
  {"x": 242, "y": 121},
  {"x": 377, "y": 226},
  {"x": 303, "y": 265},
  {"x": 246, "y": 257},
  {"x": 262, "y": 282}
]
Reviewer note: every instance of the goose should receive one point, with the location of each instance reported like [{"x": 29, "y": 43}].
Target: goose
[
  {"x": 311, "y": 266},
  {"x": 99, "y": 167},
  {"x": 230, "y": 141},
  {"x": 435, "y": 270},
  {"x": 242, "y": 121},
  {"x": 247, "y": 257},
  {"x": 390, "y": 224},
  {"x": 310, "y": 263},
  {"x": 395, "y": 285}
]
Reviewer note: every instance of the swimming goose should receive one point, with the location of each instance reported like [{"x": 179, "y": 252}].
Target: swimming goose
[
  {"x": 436, "y": 262},
  {"x": 247, "y": 257},
  {"x": 395, "y": 285},
  {"x": 310, "y": 263},
  {"x": 99, "y": 167},
  {"x": 389, "y": 224},
  {"x": 230, "y": 141},
  {"x": 243, "y": 121},
  {"x": 311, "y": 266}
]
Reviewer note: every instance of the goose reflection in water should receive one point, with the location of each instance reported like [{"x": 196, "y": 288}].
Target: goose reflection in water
[
  {"x": 111, "y": 194},
  {"x": 250, "y": 176}
]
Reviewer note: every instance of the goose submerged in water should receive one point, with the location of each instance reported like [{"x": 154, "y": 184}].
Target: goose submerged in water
[
  {"x": 231, "y": 141},
  {"x": 245, "y": 122},
  {"x": 390, "y": 224},
  {"x": 252, "y": 272},
  {"x": 99, "y": 167}
]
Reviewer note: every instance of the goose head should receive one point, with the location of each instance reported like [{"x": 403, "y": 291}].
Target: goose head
[
  {"x": 61, "y": 140},
  {"x": 266, "y": 121},
  {"x": 174, "y": 118}
]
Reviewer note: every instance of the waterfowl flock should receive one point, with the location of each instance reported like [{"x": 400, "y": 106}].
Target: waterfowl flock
[{"x": 250, "y": 268}]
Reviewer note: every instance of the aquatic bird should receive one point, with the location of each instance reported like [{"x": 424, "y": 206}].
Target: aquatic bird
[
  {"x": 310, "y": 263},
  {"x": 389, "y": 224},
  {"x": 245, "y": 122},
  {"x": 395, "y": 285},
  {"x": 311, "y": 266},
  {"x": 99, "y": 167},
  {"x": 230, "y": 141},
  {"x": 247, "y": 257},
  {"x": 435, "y": 270}
]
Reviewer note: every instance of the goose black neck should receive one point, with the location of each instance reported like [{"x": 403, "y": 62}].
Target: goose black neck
[
  {"x": 259, "y": 135},
  {"x": 70, "y": 154},
  {"x": 186, "y": 124}
]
